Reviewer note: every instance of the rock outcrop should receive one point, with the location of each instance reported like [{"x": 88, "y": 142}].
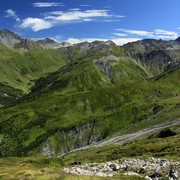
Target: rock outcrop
[
  {"x": 47, "y": 43},
  {"x": 151, "y": 168},
  {"x": 78, "y": 136},
  {"x": 9, "y": 38},
  {"x": 155, "y": 55}
]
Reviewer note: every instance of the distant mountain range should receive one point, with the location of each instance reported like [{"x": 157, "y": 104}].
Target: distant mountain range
[{"x": 58, "y": 97}]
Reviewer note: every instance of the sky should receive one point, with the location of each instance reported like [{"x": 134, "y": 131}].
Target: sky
[{"x": 75, "y": 21}]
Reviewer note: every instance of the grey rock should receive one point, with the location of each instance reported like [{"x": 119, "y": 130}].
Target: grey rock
[
  {"x": 155, "y": 55},
  {"x": 9, "y": 38},
  {"x": 106, "y": 169},
  {"x": 47, "y": 43},
  {"x": 75, "y": 137},
  {"x": 26, "y": 44},
  {"x": 47, "y": 149}
]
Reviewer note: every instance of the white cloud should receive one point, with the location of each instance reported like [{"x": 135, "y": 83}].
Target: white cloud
[
  {"x": 57, "y": 38},
  {"x": 119, "y": 34},
  {"x": 73, "y": 40},
  {"x": 87, "y": 19},
  {"x": 160, "y": 31},
  {"x": 121, "y": 41},
  {"x": 120, "y": 16},
  {"x": 111, "y": 20},
  {"x": 165, "y": 34},
  {"x": 74, "y": 9},
  {"x": 85, "y": 5},
  {"x": 60, "y": 17},
  {"x": 165, "y": 37},
  {"x": 35, "y": 24},
  {"x": 55, "y": 13},
  {"x": 12, "y": 14},
  {"x": 47, "y": 4},
  {"x": 136, "y": 32},
  {"x": 18, "y": 19},
  {"x": 77, "y": 15},
  {"x": 53, "y": 18},
  {"x": 157, "y": 33}
]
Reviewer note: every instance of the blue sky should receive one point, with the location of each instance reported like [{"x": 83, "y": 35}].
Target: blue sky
[{"x": 86, "y": 20}]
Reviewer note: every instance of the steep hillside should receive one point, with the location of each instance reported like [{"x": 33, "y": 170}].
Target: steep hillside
[
  {"x": 9, "y": 38},
  {"x": 86, "y": 101},
  {"x": 19, "y": 69},
  {"x": 23, "y": 61},
  {"x": 56, "y": 97},
  {"x": 8, "y": 95}
]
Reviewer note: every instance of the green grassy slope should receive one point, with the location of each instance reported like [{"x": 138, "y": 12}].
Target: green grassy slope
[
  {"x": 81, "y": 92},
  {"x": 8, "y": 95},
  {"x": 19, "y": 69}
]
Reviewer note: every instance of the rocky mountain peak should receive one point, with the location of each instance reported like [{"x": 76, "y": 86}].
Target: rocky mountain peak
[
  {"x": 47, "y": 43},
  {"x": 9, "y": 38},
  {"x": 65, "y": 44},
  {"x": 103, "y": 43},
  {"x": 26, "y": 44}
]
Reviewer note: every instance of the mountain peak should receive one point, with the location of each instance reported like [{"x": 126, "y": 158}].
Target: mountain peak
[
  {"x": 47, "y": 43},
  {"x": 9, "y": 38}
]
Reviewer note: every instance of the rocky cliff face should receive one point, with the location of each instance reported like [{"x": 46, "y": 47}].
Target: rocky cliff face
[
  {"x": 9, "y": 38},
  {"x": 50, "y": 43},
  {"x": 155, "y": 55},
  {"x": 47, "y": 43},
  {"x": 12, "y": 40},
  {"x": 26, "y": 44},
  {"x": 78, "y": 136}
]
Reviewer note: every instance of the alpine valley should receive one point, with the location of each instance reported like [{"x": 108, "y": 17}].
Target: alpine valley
[{"x": 73, "y": 105}]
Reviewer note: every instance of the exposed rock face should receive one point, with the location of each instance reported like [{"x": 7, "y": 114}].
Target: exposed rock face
[
  {"x": 65, "y": 44},
  {"x": 50, "y": 43},
  {"x": 12, "y": 40},
  {"x": 93, "y": 46},
  {"x": 76, "y": 137},
  {"x": 155, "y": 55},
  {"x": 47, "y": 149},
  {"x": 105, "y": 66},
  {"x": 26, "y": 44},
  {"x": 9, "y": 38}
]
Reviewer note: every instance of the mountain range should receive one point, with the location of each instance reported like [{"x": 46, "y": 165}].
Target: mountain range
[{"x": 55, "y": 98}]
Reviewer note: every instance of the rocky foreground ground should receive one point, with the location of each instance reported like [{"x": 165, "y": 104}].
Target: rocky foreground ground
[{"x": 151, "y": 168}]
